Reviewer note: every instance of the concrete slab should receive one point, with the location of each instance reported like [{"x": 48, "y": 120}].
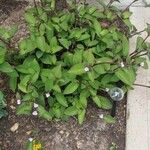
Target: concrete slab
[
  {"x": 140, "y": 17},
  {"x": 138, "y": 104},
  {"x": 138, "y": 119}
]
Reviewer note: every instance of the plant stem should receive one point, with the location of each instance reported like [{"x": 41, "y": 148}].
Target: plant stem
[
  {"x": 142, "y": 85},
  {"x": 129, "y": 6},
  {"x": 137, "y": 33}
]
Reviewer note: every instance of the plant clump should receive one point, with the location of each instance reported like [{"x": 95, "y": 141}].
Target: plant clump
[{"x": 72, "y": 56}]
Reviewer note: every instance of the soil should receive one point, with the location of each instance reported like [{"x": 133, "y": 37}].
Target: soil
[{"x": 94, "y": 134}]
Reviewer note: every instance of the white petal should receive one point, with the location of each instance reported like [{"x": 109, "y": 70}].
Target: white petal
[
  {"x": 18, "y": 101},
  {"x": 142, "y": 64},
  {"x": 101, "y": 116},
  {"x": 35, "y": 105},
  {"x": 107, "y": 89},
  {"x": 86, "y": 69},
  {"x": 30, "y": 139},
  {"x": 47, "y": 95},
  {"x": 34, "y": 113},
  {"x": 122, "y": 64}
]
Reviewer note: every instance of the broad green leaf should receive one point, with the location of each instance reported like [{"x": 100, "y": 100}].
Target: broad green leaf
[
  {"x": 65, "y": 43},
  {"x": 61, "y": 99},
  {"x": 44, "y": 114},
  {"x": 100, "y": 68},
  {"x": 24, "y": 109},
  {"x": 13, "y": 83},
  {"x": 89, "y": 57},
  {"x": 126, "y": 75},
  {"x": 97, "y": 27},
  {"x": 57, "y": 71},
  {"x": 2, "y": 55},
  {"x": 54, "y": 47},
  {"x": 48, "y": 59},
  {"x": 126, "y": 14},
  {"x": 105, "y": 103},
  {"x": 30, "y": 18},
  {"x": 71, "y": 111},
  {"x": 6, "y": 67},
  {"x": 97, "y": 101},
  {"x": 71, "y": 88},
  {"x": 125, "y": 44},
  {"x": 77, "y": 69},
  {"x": 77, "y": 57},
  {"x": 109, "y": 119},
  {"x": 41, "y": 43},
  {"x": 29, "y": 145},
  {"x": 139, "y": 43},
  {"x": 83, "y": 98},
  {"x": 81, "y": 116}
]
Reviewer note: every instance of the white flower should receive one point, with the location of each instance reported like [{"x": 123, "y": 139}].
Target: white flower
[
  {"x": 107, "y": 89},
  {"x": 47, "y": 95},
  {"x": 18, "y": 101},
  {"x": 101, "y": 116},
  {"x": 34, "y": 113},
  {"x": 30, "y": 139},
  {"x": 142, "y": 64},
  {"x": 122, "y": 64},
  {"x": 35, "y": 105},
  {"x": 86, "y": 69}
]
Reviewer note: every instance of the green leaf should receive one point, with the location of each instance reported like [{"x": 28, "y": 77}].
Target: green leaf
[
  {"x": 71, "y": 111},
  {"x": 126, "y": 14},
  {"x": 77, "y": 69},
  {"x": 2, "y": 55},
  {"x": 44, "y": 114},
  {"x": 105, "y": 103},
  {"x": 13, "y": 83},
  {"x": 139, "y": 43},
  {"x": 97, "y": 101},
  {"x": 126, "y": 75},
  {"x": 81, "y": 116},
  {"x": 77, "y": 57},
  {"x": 48, "y": 59},
  {"x": 125, "y": 44},
  {"x": 97, "y": 27},
  {"x": 57, "y": 71},
  {"x": 101, "y": 68},
  {"x": 30, "y": 18},
  {"x": 109, "y": 119},
  {"x": 54, "y": 47},
  {"x": 6, "y": 67},
  {"x": 61, "y": 99},
  {"x": 71, "y": 88},
  {"x": 41, "y": 43},
  {"x": 89, "y": 57},
  {"x": 29, "y": 145},
  {"x": 65, "y": 43},
  {"x": 24, "y": 109},
  {"x": 83, "y": 98}
]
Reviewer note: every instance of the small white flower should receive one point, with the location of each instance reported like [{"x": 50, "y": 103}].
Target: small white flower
[
  {"x": 18, "y": 101},
  {"x": 35, "y": 105},
  {"x": 101, "y": 116},
  {"x": 30, "y": 139},
  {"x": 107, "y": 89},
  {"x": 86, "y": 69},
  {"x": 142, "y": 64},
  {"x": 47, "y": 95},
  {"x": 122, "y": 64},
  {"x": 34, "y": 113}
]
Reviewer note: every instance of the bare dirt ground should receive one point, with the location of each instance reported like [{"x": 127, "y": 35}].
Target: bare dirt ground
[{"x": 94, "y": 134}]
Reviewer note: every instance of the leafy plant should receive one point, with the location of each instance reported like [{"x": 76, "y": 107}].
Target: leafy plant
[
  {"x": 73, "y": 55},
  {"x": 3, "y": 112}
]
